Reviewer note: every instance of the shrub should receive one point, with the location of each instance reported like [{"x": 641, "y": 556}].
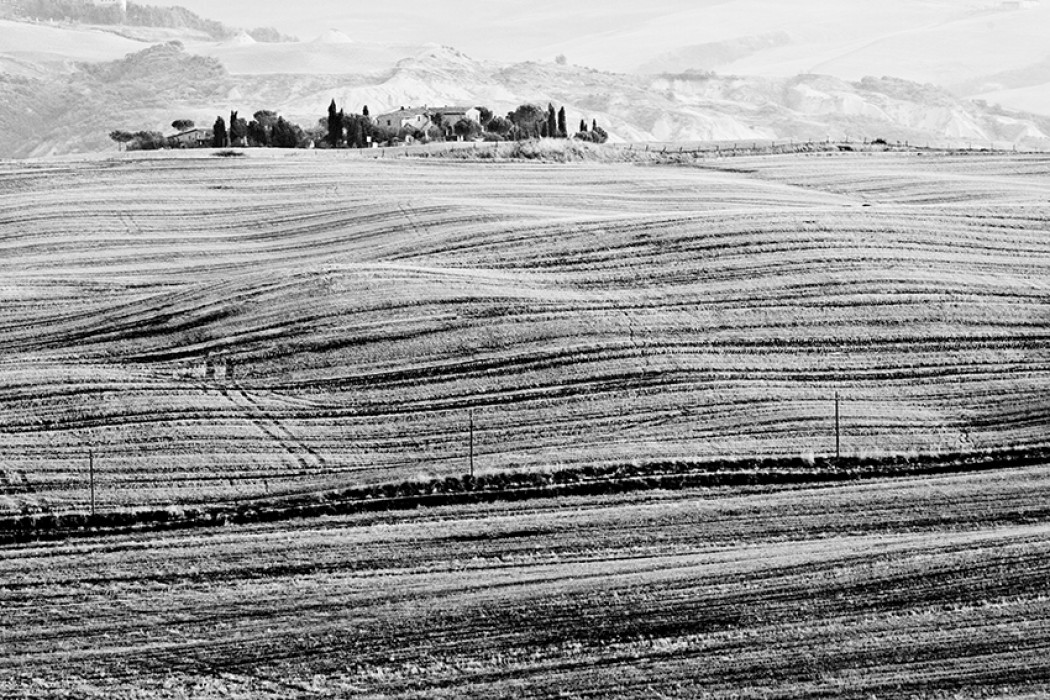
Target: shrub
[
  {"x": 147, "y": 141},
  {"x": 73, "y": 521},
  {"x": 595, "y": 135},
  {"x": 45, "y": 521},
  {"x": 466, "y": 129},
  {"x": 408, "y": 489},
  {"x": 556, "y": 150}
]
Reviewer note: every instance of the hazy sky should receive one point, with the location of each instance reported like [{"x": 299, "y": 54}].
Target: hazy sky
[
  {"x": 508, "y": 29},
  {"x": 924, "y": 40}
]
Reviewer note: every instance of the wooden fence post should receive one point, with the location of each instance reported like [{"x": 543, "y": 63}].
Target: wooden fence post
[
  {"x": 471, "y": 443},
  {"x": 838, "y": 432},
  {"x": 91, "y": 477}
]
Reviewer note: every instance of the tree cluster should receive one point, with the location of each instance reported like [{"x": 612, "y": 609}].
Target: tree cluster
[
  {"x": 344, "y": 130},
  {"x": 531, "y": 121},
  {"x": 139, "y": 140},
  {"x": 595, "y": 134},
  {"x": 267, "y": 129},
  {"x": 528, "y": 121}
]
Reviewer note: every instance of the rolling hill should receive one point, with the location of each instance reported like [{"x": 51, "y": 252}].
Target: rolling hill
[
  {"x": 41, "y": 50},
  {"x": 440, "y": 422},
  {"x": 587, "y": 314}
]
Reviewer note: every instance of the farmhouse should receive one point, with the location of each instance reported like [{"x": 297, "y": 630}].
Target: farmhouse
[
  {"x": 417, "y": 118},
  {"x": 194, "y": 138},
  {"x": 451, "y": 115}
]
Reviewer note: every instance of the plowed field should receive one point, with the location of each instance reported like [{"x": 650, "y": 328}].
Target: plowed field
[
  {"x": 586, "y": 314},
  {"x": 927, "y": 588}
]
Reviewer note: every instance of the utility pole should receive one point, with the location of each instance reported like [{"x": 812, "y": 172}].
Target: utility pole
[
  {"x": 91, "y": 474},
  {"x": 471, "y": 443},
  {"x": 838, "y": 431}
]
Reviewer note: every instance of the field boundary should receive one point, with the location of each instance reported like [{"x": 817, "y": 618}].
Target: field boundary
[
  {"x": 514, "y": 486},
  {"x": 665, "y": 152}
]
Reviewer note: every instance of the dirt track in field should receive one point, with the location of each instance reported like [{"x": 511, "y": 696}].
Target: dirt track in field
[
  {"x": 918, "y": 588},
  {"x": 588, "y": 314}
]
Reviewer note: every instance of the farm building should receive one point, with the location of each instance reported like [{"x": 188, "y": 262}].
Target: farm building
[
  {"x": 194, "y": 138},
  {"x": 422, "y": 118},
  {"x": 451, "y": 115},
  {"x": 417, "y": 118}
]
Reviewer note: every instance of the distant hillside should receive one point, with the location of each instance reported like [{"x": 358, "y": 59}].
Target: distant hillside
[
  {"x": 41, "y": 50},
  {"x": 690, "y": 106},
  {"x": 146, "y": 90},
  {"x": 978, "y": 48},
  {"x": 174, "y": 17},
  {"x": 137, "y": 15},
  {"x": 74, "y": 109}
]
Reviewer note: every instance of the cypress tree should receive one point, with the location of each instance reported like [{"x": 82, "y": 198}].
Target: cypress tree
[
  {"x": 552, "y": 121},
  {"x": 218, "y": 139},
  {"x": 583, "y": 126},
  {"x": 364, "y": 112},
  {"x": 563, "y": 130},
  {"x": 594, "y": 125},
  {"x": 335, "y": 126},
  {"x": 237, "y": 130}
]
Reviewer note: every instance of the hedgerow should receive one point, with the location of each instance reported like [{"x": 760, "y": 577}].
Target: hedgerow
[{"x": 591, "y": 480}]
